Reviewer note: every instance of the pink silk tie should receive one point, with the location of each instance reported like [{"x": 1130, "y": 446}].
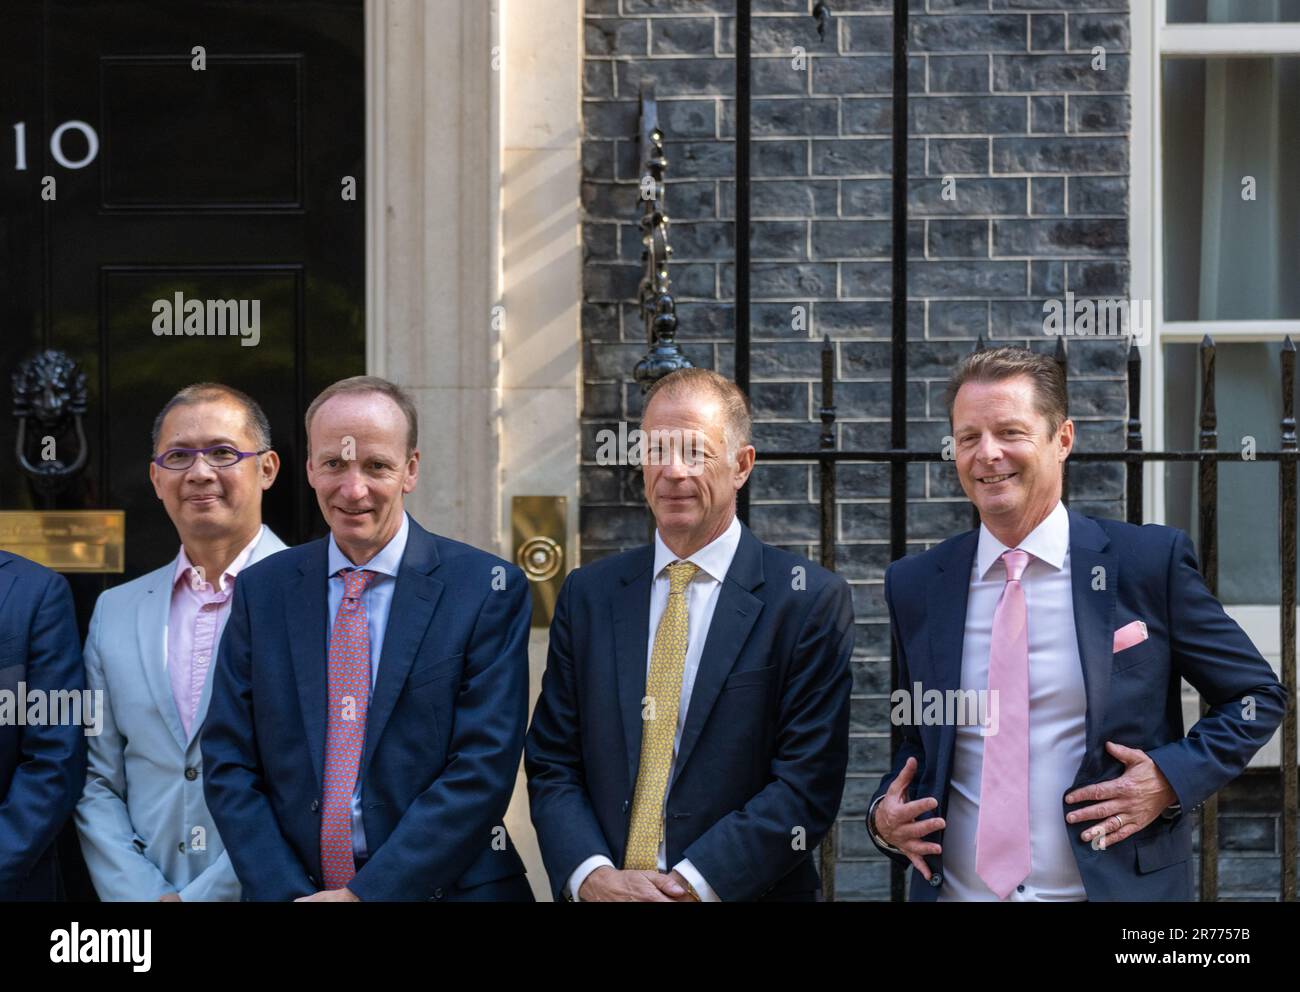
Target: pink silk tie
[
  {"x": 348, "y": 676},
  {"x": 1002, "y": 837}
]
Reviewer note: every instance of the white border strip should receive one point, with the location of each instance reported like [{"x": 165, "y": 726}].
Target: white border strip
[{"x": 1209, "y": 40}]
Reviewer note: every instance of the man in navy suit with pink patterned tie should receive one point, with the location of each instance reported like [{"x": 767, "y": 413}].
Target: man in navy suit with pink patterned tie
[
  {"x": 371, "y": 691},
  {"x": 1072, "y": 634}
]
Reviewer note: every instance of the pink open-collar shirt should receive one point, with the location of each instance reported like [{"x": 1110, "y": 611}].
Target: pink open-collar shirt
[{"x": 194, "y": 625}]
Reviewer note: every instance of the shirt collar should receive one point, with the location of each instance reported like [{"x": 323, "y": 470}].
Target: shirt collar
[
  {"x": 184, "y": 565},
  {"x": 1048, "y": 542},
  {"x": 386, "y": 562},
  {"x": 714, "y": 558}
]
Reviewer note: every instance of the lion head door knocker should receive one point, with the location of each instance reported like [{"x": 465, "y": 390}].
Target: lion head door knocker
[{"x": 49, "y": 392}]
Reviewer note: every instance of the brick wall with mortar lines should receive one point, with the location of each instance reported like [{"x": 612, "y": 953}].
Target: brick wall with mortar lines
[{"x": 1004, "y": 99}]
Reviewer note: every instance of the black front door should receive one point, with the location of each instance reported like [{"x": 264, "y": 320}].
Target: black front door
[
  {"x": 197, "y": 151},
  {"x": 155, "y": 153}
]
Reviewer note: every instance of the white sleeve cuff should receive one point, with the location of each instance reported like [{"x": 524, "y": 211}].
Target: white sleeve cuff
[
  {"x": 701, "y": 887},
  {"x": 879, "y": 840},
  {"x": 583, "y": 870}
]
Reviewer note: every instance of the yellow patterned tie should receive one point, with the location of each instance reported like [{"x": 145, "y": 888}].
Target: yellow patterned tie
[{"x": 663, "y": 693}]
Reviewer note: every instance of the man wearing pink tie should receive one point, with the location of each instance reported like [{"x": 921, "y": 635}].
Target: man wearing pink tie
[
  {"x": 1072, "y": 635},
  {"x": 371, "y": 690}
]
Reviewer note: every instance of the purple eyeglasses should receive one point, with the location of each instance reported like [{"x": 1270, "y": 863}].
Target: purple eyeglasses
[{"x": 218, "y": 456}]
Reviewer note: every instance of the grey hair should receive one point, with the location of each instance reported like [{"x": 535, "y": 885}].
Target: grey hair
[{"x": 738, "y": 416}]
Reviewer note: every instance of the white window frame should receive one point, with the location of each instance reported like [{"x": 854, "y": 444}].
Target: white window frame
[{"x": 1152, "y": 41}]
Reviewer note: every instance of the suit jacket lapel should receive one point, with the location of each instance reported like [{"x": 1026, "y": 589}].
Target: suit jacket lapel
[
  {"x": 733, "y": 618},
  {"x": 306, "y": 608},
  {"x": 6, "y": 578},
  {"x": 1094, "y": 581},
  {"x": 946, "y": 603},
  {"x": 414, "y": 600},
  {"x": 630, "y": 612},
  {"x": 151, "y": 621},
  {"x": 266, "y": 546}
]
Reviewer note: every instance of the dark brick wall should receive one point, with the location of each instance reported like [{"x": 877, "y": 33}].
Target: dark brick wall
[
  {"x": 1004, "y": 99},
  {"x": 1250, "y": 838}
]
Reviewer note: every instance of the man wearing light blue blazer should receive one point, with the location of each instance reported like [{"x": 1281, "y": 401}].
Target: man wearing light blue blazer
[{"x": 145, "y": 829}]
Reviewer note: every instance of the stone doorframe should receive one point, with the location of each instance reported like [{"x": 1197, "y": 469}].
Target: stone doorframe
[{"x": 474, "y": 264}]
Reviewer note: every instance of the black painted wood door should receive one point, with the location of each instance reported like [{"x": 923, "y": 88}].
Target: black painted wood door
[{"x": 196, "y": 147}]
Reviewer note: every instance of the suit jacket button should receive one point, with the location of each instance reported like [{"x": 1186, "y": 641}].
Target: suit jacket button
[
  {"x": 626, "y": 804},
  {"x": 191, "y": 774},
  {"x": 936, "y": 879},
  {"x": 437, "y": 893},
  {"x": 315, "y": 805}
]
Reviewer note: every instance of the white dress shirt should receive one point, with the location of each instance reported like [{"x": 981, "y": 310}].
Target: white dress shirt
[
  {"x": 1057, "y": 718},
  {"x": 701, "y": 600}
]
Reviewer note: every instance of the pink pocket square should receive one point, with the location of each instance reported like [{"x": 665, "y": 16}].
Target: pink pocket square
[{"x": 1130, "y": 634}]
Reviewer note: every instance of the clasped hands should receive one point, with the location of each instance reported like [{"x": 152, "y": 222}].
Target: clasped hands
[{"x": 607, "y": 884}]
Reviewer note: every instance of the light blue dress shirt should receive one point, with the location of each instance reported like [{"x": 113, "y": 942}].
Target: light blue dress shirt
[{"x": 378, "y": 600}]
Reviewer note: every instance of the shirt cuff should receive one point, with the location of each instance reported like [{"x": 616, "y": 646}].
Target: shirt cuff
[
  {"x": 701, "y": 887},
  {"x": 583, "y": 870},
  {"x": 875, "y": 836}
]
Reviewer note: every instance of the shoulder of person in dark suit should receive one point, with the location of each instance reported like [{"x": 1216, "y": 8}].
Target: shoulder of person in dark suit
[{"x": 47, "y": 765}]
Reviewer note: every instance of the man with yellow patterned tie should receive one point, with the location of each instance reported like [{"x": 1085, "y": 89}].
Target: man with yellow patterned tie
[{"x": 691, "y": 738}]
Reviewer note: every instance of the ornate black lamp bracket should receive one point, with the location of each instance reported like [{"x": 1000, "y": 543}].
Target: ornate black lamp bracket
[
  {"x": 823, "y": 14},
  {"x": 658, "y": 308}
]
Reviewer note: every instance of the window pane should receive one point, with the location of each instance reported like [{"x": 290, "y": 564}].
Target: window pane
[
  {"x": 1226, "y": 11},
  {"x": 1231, "y": 150},
  {"x": 1248, "y": 394}
]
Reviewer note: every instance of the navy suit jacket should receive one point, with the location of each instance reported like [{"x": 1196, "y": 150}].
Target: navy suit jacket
[
  {"x": 444, "y": 727},
  {"x": 760, "y": 772},
  {"x": 1119, "y": 573},
  {"x": 42, "y": 768}
]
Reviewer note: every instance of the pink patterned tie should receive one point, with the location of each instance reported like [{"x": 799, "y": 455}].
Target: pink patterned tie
[
  {"x": 1002, "y": 837},
  {"x": 345, "y": 734}
]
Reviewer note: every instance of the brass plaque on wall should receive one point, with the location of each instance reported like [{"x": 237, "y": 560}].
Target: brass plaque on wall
[
  {"x": 67, "y": 540},
  {"x": 538, "y": 526}
]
